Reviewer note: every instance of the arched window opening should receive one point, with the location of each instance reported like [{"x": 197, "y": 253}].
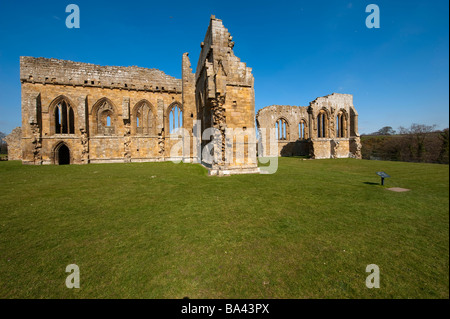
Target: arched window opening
[
  {"x": 175, "y": 118},
  {"x": 64, "y": 118},
  {"x": 341, "y": 125},
  {"x": 281, "y": 129},
  {"x": 106, "y": 120},
  {"x": 319, "y": 125},
  {"x": 322, "y": 124},
  {"x": 142, "y": 118},
  {"x": 106, "y": 123},
  {"x": 71, "y": 121},
  {"x": 57, "y": 120},
  {"x": 338, "y": 125},
  {"x": 302, "y": 129}
]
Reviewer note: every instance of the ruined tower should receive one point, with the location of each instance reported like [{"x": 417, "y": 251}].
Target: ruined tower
[{"x": 225, "y": 99}]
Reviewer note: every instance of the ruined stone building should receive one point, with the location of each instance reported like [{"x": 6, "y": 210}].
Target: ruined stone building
[
  {"x": 79, "y": 113},
  {"x": 83, "y": 113},
  {"x": 13, "y": 140},
  {"x": 327, "y": 128}
]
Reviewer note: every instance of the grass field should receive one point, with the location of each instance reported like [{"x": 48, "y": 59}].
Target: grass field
[{"x": 164, "y": 230}]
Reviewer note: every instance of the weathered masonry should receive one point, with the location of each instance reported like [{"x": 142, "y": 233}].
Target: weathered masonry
[
  {"x": 79, "y": 113},
  {"x": 83, "y": 113},
  {"x": 14, "y": 140},
  {"x": 225, "y": 99},
  {"x": 327, "y": 128}
]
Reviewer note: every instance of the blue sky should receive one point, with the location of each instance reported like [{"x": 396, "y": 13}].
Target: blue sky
[{"x": 298, "y": 50}]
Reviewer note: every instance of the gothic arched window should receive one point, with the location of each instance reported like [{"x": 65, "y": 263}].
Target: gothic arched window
[
  {"x": 341, "y": 125},
  {"x": 302, "y": 134},
  {"x": 175, "y": 118},
  {"x": 64, "y": 118},
  {"x": 106, "y": 118},
  {"x": 322, "y": 123},
  {"x": 143, "y": 118},
  {"x": 282, "y": 129}
]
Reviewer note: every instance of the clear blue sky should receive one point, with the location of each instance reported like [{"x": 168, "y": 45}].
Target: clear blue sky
[{"x": 299, "y": 50}]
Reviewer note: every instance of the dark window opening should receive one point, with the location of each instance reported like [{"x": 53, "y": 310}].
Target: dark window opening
[{"x": 321, "y": 125}]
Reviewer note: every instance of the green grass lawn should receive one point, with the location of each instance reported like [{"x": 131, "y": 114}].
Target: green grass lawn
[{"x": 164, "y": 230}]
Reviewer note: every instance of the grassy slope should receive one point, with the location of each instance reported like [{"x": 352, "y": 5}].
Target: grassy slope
[{"x": 161, "y": 230}]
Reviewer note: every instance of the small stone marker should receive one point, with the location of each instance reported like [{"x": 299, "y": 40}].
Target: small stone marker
[{"x": 383, "y": 175}]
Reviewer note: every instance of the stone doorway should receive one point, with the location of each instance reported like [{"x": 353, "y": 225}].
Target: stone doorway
[{"x": 63, "y": 155}]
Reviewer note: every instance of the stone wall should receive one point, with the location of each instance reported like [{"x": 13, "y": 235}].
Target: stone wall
[
  {"x": 14, "y": 140},
  {"x": 188, "y": 99},
  {"x": 335, "y": 135},
  {"x": 225, "y": 100},
  {"x": 118, "y": 94},
  {"x": 62, "y": 72},
  {"x": 84, "y": 113},
  {"x": 81, "y": 113}
]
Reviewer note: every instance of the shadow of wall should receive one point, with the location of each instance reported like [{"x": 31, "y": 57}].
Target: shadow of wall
[{"x": 297, "y": 148}]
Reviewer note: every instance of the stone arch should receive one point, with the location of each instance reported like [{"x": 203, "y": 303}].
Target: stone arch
[
  {"x": 63, "y": 117},
  {"x": 323, "y": 119},
  {"x": 143, "y": 118},
  {"x": 303, "y": 132},
  {"x": 61, "y": 154},
  {"x": 342, "y": 123},
  {"x": 282, "y": 129},
  {"x": 105, "y": 117},
  {"x": 174, "y": 116}
]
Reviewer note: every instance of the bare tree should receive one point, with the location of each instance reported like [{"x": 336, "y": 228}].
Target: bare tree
[
  {"x": 416, "y": 134},
  {"x": 418, "y": 143},
  {"x": 419, "y": 132}
]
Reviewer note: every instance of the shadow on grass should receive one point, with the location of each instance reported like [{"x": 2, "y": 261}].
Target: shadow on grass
[{"x": 370, "y": 183}]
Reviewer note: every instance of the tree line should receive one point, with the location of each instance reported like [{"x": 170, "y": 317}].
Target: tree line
[
  {"x": 3, "y": 145},
  {"x": 417, "y": 143}
]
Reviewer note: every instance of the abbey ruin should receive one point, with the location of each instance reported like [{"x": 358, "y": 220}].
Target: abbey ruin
[
  {"x": 327, "y": 128},
  {"x": 79, "y": 113}
]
